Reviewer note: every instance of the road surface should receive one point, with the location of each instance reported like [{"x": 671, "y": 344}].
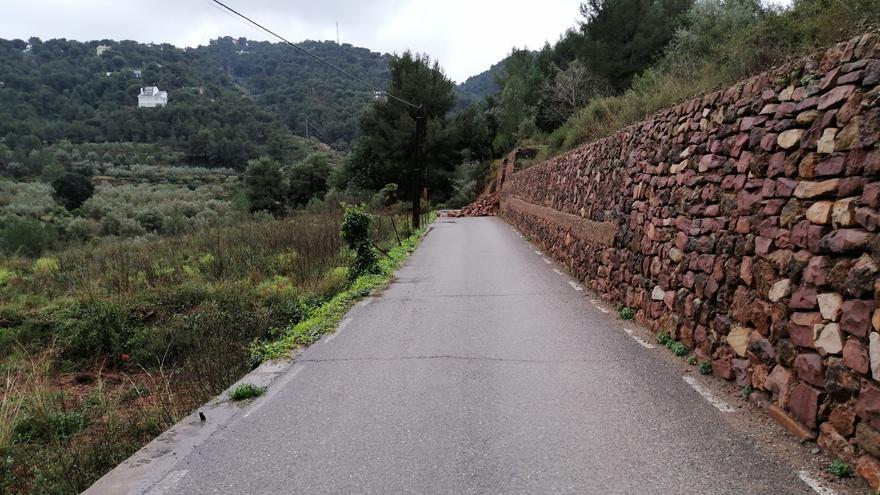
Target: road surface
[{"x": 480, "y": 370}]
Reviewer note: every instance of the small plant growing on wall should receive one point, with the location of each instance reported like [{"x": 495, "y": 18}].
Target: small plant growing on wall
[{"x": 626, "y": 313}]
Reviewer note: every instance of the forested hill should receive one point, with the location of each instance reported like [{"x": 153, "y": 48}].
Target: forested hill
[
  {"x": 478, "y": 87},
  {"x": 228, "y": 101}
]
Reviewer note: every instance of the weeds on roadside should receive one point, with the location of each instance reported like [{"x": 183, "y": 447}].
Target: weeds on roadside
[
  {"x": 626, "y": 313},
  {"x": 246, "y": 391},
  {"x": 840, "y": 469},
  {"x": 705, "y": 367}
]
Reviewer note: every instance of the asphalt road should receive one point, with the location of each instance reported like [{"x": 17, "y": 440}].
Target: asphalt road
[{"x": 480, "y": 370}]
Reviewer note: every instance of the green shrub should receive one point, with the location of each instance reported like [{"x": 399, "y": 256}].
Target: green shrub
[
  {"x": 246, "y": 391},
  {"x": 626, "y": 313},
  {"x": 355, "y": 231},
  {"x": 94, "y": 329},
  {"x": 840, "y": 469},
  {"x": 663, "y": 338},
  {"x": 706, "y": 367},
  {"x": 677, "y": 348},
  {"x": 26, "y": 236}
]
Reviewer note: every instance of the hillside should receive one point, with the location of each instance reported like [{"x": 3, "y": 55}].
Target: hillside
[
  {"x": 478, "y": 87},
  {"x": 229, "y": 101}
]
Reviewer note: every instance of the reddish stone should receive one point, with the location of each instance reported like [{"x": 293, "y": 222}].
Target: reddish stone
[
  {"x": 843, "y": 418},
  {"x": 817, "y": 270},
  {"x": 803, "y": 298},
  {"x": 804, "y": 404},
  {"x": 844, "y": 240},
  {"x": 868, "y": 439},
  {"x": 871, "y": 194},
  {"x": 869, "y": 468},
  {"x": 835, "y": 96},
  {"x": 841, "y": 383},
  {"x": 742, "y": 372},
  {"x": 835, "y": 444},
  {"x": 860, "y": 278},
  {"x": 856, "y": 316},
  {"x": 779, "y": 383},
  {"x": 759, "y": 376},
  {"x": 802, "y": 336},
  {"x": 868, "y": 404},
  {"x": 868, "y": 218},
  {"x": 855, "y": 356},
  {"x": 809, "y": 368},
  {"x": 832, "y": 166},
  {"x": 786, "y": 352}
]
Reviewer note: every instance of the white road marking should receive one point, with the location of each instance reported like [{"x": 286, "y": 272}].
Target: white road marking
[
  {"x": 295, "y": 369},
  {"x": 718, "y": 403},
  {"x": 339, "y": 329},
  {"x": 814, "y": 484},
  {"x": 168, "y": 482},
  {"x": 558, "y": 271},
  {"x": 600, "y": 308},
  {"x": 574, "y": 285},
  {"x": 548, "y": 261},
  {"x": 365, "y": 301},
  {"x": 539, "y": 253},
  {"x": 646, "y": 345}
]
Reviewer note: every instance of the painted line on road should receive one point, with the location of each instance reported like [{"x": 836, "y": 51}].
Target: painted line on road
[
  {"x": 548, "y": 261},
  {"x": 539, "y": 253},
  {"x": 168, "y": 482},
  {"x": 574, "y": 285},
  {"x": 365, "y": 302},
  {"x": 339, "y": 329},
  {"x": 558, "y": 271},
  {"x": 718, "y": 403},
  {"x": 643, "y": 343},
  {"x": 814, "y": 484},
  {"x": 274, "y": 388}
]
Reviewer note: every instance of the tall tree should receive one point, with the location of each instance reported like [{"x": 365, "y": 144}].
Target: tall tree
[
  {"x": 72, "y": 190},
  {"x": 623, "y": 37},
  {"x": 265, "y": 186},
  {"x": 386, "y": 149}
]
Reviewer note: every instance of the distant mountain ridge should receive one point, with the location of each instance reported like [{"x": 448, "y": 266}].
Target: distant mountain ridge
[
  {"x": 62, "y": 89},
  {"x": 478, "y": 87}
]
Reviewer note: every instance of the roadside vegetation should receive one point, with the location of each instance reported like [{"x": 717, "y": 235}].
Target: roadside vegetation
[
  {"x": 627, "y": 59},
  {"x": 107, "y": 345}
]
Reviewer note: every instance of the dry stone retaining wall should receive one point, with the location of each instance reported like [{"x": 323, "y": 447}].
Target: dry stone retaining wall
[{"x": 744, "y": 223}]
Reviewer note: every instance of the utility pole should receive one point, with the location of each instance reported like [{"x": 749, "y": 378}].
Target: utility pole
[
  {"x": 307, "y": 128},
  {"x": 417, "y": 172},
  {"x": 337, "y": 32}
]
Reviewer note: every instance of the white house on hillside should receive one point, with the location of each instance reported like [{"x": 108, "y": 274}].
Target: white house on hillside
[{"x": 151, "y": 97}]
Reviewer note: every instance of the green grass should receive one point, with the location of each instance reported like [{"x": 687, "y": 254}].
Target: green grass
[
  {"x": 175, "y": 318},
  {"x": 324, "y": 319},
  {"x": 246, "y": 391},
  {"x": 840, "y": 469}
]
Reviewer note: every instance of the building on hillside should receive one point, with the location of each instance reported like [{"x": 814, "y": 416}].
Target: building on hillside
[
  {"x": 100, "y": 49},
  {"x": 151, "y": 97}
]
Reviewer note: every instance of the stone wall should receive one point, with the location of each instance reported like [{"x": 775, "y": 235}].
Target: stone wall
[{"x": 744, "y": 223}]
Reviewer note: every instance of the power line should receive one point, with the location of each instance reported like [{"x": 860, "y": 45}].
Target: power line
[{"x": 310, "y": 54}]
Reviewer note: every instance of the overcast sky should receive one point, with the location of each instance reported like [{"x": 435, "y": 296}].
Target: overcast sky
[{"x": 467, "y": 36}]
